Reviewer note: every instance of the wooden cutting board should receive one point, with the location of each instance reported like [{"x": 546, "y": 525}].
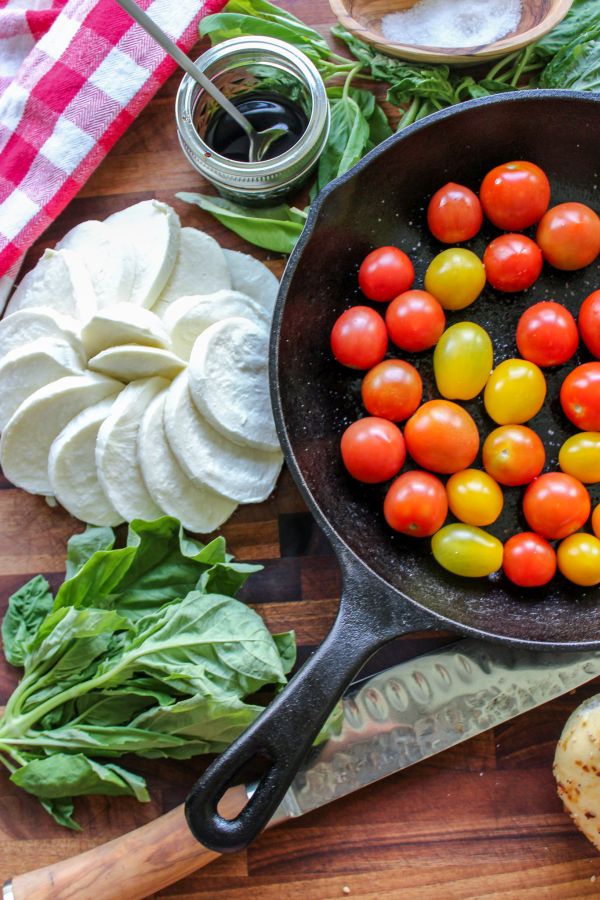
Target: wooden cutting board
[{"x": 479, "y": 821}]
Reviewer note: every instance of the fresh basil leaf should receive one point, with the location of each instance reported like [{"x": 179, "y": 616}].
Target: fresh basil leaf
[
  {"x": 26, "y": 609},
  {"x": 96, "y": 580},
  {"x": 61, "y": 811},
  {"x": 226, "y": 578},
  {"x": 65, "y": 775},
  {"x": 61, "y": 628},
  {"x": 273, "y": 229},
  {"x": 347, "y": 142},
  {"x": 576, "y": 66},
  {"x": 81, "y": 546},
  {"x": 286, "y": 646},
  {"x": 583, "y": 16}
]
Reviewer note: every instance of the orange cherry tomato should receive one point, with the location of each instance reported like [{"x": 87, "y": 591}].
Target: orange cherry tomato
[
  {"x": 579, "y": 559},
  {"x": 512, "y": 262},
  {"x": 529, "y": 560},
  {"x": 442, "y": 437},
  {"x": 569, "y": 236},
  {"x": 596, "y": 521},
  {"x": 393, "y": 390},
  {"x": 416, "y": 504},
  {"x": 556, "y": 505},
  {"x": 513, "y": 455},
  {"x": 373, "y": 449},
  {"x": 515, "y": 195},
  {"x": 454, "y": 214}
]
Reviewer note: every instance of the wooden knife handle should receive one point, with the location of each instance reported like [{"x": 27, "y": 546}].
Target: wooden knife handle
[{"x": 130, "y": 867}]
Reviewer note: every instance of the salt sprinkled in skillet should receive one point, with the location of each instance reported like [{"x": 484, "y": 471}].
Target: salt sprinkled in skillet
[{"x": 459, "y": 23}]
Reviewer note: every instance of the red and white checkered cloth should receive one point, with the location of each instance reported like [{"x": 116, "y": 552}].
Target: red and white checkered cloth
[{"x": 73, "y": 76}]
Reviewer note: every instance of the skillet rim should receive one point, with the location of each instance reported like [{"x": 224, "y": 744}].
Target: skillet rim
[{"x": 346, "y": 557}]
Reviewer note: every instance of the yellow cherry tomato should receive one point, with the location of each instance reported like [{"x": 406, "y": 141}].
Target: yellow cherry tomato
[
  {"x": 579, "y": 456},
  {"x": 578, "y": 559},
  {"x": 455, "y": 277},
  {"x": 515, "y": 392},
  {"x": 474, "y": 497},
  {"x": 466, "y": 550},
  {"x": 596, "y": 521},
  {"x": 462, "y": 361}
]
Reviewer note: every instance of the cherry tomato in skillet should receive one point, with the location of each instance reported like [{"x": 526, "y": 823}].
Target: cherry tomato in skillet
[
  {"x": 579, "y": 559},
  {"x": 442, "y": 437},
  {"x": 529, "y": 560},
  {"x": 373, "y": 449},
  {"x": 589, "y": 323},
  {"x": 515, "y": 392},
  {"x": 474, "y": 497},
  {"x": 416, "y": 504},
  {"x": 513, "y": 455},
  {"x": 569, "y": 236},
  {"x": 515, "y": 195},
  {"x": 547, "y": 334},
  {"x": 556, "y": 505},
  {"x": 359, "y": 338},
  {"x": 512, "y": 262},
  {"x": 580, "y": 396},
  {"x": 454, "y": 214},
  {"x": 393, "y": 390},
  {"x": 467, "y": 550},
  {"x": 455, "y": 277},
  {"x": 385, "y": 273},
  {"x": 596, "y": 521},
  {"x": 462, "y": 361},
  {"x": 579, "y": 456},
  {"x": 415, "y": 321}
]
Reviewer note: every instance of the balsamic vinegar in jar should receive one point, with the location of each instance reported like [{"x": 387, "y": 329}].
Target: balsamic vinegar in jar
[{"x": 263, "y": 109}]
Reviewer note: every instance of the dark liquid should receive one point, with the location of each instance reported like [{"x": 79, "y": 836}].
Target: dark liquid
[{"x": 264, "y": 110}]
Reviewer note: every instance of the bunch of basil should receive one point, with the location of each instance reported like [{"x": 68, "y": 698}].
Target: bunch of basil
[
  {"x": 568, "y": 57},
  {"x": 143, "y": 650}
]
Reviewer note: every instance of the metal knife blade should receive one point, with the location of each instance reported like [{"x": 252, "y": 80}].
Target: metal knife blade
[{"x": 418, "y": 708}]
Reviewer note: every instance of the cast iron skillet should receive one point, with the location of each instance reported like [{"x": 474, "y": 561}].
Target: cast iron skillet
[{"x": 392, "y": 585}]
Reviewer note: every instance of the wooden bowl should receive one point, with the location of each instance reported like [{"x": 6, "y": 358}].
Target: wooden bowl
[{"x": 363, "y": 19}]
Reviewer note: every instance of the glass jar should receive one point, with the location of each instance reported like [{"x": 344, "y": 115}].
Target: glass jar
[{"x": 239, "y": 66}]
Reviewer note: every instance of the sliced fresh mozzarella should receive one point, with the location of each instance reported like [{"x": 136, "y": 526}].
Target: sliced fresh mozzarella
[
  {"x": 130, "y": 362},
  {"x": 252, "y": 277},
  {"x": 30, "y": 324},
  {"x": 200, "y": 268},
  {"x": 72, "y": 468},
  {"x": 229, "y": 382},
  {"x": 153, "y": 229},
  {"x": 27, "y": 368},
  {"x": 109, "y": 260},
  {"x": 117, "y": 451},
  {"x": 28, "y": 436},
  {"x": 123, "y": 323},
  {"x": 188, "y": 317},
  {"x": 61, "y": 281},
  {"x": 210, "y": 460},
  {"x": 197, "y": 508}
]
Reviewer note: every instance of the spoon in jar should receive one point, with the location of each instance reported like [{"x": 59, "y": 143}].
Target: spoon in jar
[{"x": 260, "y": 141}]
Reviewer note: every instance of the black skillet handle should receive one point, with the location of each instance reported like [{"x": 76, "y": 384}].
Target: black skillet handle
[{"x": 285, "y": 732}]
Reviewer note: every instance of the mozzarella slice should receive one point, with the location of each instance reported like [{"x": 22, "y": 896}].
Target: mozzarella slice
[
  {"x": 210, "y": 460},
  {"x": 119, "y": 470},
  {"x": 61, "y": 281},
  {"x": 72, "y": 468},
  {"x": 201, "y": 268},
  {"x": 188, "y": 317},
  {"x": 197, "y": 508},
  {"x": 123, "y": 323},
  {"x": 252, "y": 277},
  {"x": 28, "y": 436},
  {"x": 577, "y": 768},
  {"x": 229, "y": 382},
  {"x": 30, "y": 324},
  {"x": 130, "y": 362},
  {"x": 110, "y": 261},
  {"x": 153, "y": 230},
  {"x": 27, "y": 368}
]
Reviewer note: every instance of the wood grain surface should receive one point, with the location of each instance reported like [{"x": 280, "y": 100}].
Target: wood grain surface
[{"x": 479, "y": 821}]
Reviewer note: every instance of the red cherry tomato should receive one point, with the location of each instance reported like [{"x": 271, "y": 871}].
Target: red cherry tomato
[
  {"x": 512, "y": 262},
  {"x": 580, "y": 396},
  {"x": 392, "y": 390},
  {"x": 529, "y": 560},
  {"x": 416, "y": 504},
  {"x": 569, "y": 236},
  {"x": 589, "y": 323},
  {"x": 556, "y": 505},
  {"x": 547, "y": 334},
  {"x": 359, "y": 338},
  {"x": 373, "y": 449},
  {"x": 515, "y": 195},
  {"x": 454, "y": 214},
  {"x": 385, "y": 273},
  {"x": 415, "y": 321},
  {"x": 513, "y": 455},
  {"x": 442, "y": 436}
]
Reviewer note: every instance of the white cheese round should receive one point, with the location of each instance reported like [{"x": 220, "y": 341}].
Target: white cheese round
[
  {"x": 123, "y": 323},
  {"x": 59, "y": 280},
  {"x": 200, "y": 268},
  {"x": 131, "y": 361},
  {"x": 30, "y": 324},
  {"x": 252, "y": 277},
  {"x": 109, "y": 260}
]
